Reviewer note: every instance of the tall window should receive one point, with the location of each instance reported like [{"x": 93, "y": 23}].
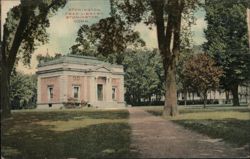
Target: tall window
[
  {"x": 113, "y": 93},
  {"x": 76, "y": 92},
  {"x": 50, "y": 92}
]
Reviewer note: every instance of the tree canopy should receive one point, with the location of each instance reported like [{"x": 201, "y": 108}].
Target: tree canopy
[
  {"x": 108, "y": 39},
  {"x": 167, "y": 16},
  {"x": 41, "y": 58},
  {"x": 227, "y": 41},
  {"x": 24, "y": 29},
  {"x": 144, "y": 76},
  {"x": 23, "y": 90},
  {"x": 202, "y": 74}
]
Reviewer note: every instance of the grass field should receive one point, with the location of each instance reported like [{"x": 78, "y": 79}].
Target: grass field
[
  {"x": 66, "y": 134},
  {"x": 231, "y": 124}
]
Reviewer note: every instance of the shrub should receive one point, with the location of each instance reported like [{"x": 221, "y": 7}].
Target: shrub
[{"x": 75, "y": 103}]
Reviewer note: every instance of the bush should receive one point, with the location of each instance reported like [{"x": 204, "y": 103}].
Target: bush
[
  {"x": 180, "y": 102},
  {"x": 74, "y": 103},
  {"x": 198, "y": 102}
]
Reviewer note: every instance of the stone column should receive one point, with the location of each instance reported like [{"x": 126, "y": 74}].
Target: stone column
[
  {"x": 109, "y": 89},
  {"x": 122, "y": 89},
  {"x": 85, "y": 88},
  {"x": 92, "y": 90}
]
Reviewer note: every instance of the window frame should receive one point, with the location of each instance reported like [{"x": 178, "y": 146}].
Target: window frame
[
  {"x": 50, "y": 93},
  {"x": 73, "y": 91},
  {"x": 114, "y": 96}
]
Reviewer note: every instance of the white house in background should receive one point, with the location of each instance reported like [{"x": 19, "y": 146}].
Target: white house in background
[{"x": 220, "y": 95}]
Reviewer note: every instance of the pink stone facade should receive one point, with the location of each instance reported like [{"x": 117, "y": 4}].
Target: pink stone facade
[
  {"x": 50, "y": 82},
  {"x": 83, "y": 78},
  {"x": 77, "y": 81},
  {"x": 116, "y": 83}
]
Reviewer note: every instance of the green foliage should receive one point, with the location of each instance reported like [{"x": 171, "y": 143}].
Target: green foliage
[
  {"x": 144, "y": 76},
  {"x": 201, "y": 74},
  {"x": 23, "y": 90},
  {"x": 40, "y": 58},
  {"x": 24, "y": 29},
  {"x": 34, "y": 33},
  {"x": 167, "y": 16},
  {"x": 108, "y": 39},
  {"x": 227, "y": 39}
]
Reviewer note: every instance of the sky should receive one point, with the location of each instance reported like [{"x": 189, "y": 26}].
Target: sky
[{"x": 63, "y": 30}]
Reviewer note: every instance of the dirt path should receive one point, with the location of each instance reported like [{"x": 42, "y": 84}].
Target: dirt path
[{"x": 156, "y": 137}]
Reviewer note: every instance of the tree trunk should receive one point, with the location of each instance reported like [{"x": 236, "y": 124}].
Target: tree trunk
[
  {"x": 149, "y": 100},
  {"x": 167, "y": 35},
  {"x": 185, "y": 98},
  {"x": 227, "y": 97},
  {"x": 5, "y": 100},
  {"x": 170, "y": 106},
  {"x": 235, "y": 95},
  {"x": 205, "y": 100},
  {"x": 193, "y": 97}
]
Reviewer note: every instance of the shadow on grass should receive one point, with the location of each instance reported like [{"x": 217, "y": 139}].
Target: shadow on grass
[
  {"x": 197, "y": 110},
  {"x": 95, "y": 141},
  {"x": 23, "y": 140},
  {"x": 69, "y": 115},
  {"x": 231, "y": 130}
]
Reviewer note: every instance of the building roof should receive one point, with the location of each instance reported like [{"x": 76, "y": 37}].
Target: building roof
[{"x": 75, "y": 59}]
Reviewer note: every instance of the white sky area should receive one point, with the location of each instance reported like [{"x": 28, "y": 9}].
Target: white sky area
[{"x": 63, "y": 31}]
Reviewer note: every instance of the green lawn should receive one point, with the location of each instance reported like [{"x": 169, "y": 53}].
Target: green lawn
[
  {"x": 67, "y": 134},
  {"x": 231, "y": 124}
]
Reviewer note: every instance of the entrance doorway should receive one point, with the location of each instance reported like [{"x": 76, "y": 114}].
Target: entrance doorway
[{"x": 100, "y": 92}]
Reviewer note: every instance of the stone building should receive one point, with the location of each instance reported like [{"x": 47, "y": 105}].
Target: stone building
[
  {"x": 82, "y": 78},
  {"x": 219, "y": 95}
]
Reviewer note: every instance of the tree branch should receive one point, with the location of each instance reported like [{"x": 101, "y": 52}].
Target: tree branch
[
  {"x": 158, "y": 9},
  {"x": 177, "y": 28},
  {"x": 3, "y": 46},
  {"x": 18, "y": 38},
  {"x": 21, "y": 33}
]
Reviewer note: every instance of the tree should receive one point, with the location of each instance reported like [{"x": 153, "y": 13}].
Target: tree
[
  {"x": 167, "y": 17},
  {"x": 23, "y": 90},
  {"x": 227, "y": 42},
  {"x": 107, "y": 39},
  {"x": 143, "y": 76},
  {"x": 202, "y": 74},
  {"x": 25, "y": 28},
  {"x": 40, "y": 58}
]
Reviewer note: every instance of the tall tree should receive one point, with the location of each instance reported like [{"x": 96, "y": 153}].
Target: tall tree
[
  {"x": 143, "y": 76},
  {"x": 166, "y": 15},
  {"x": 227, "y": 41},
  {"x": 107, "y": 39},
  {"x": 24, "y": 29},
  {"x": 202, "y": 74}
]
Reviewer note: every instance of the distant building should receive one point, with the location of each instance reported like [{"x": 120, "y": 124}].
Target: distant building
[
  {"x": 82, "y": 78},
  {"x": 218, "y": 96}
]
